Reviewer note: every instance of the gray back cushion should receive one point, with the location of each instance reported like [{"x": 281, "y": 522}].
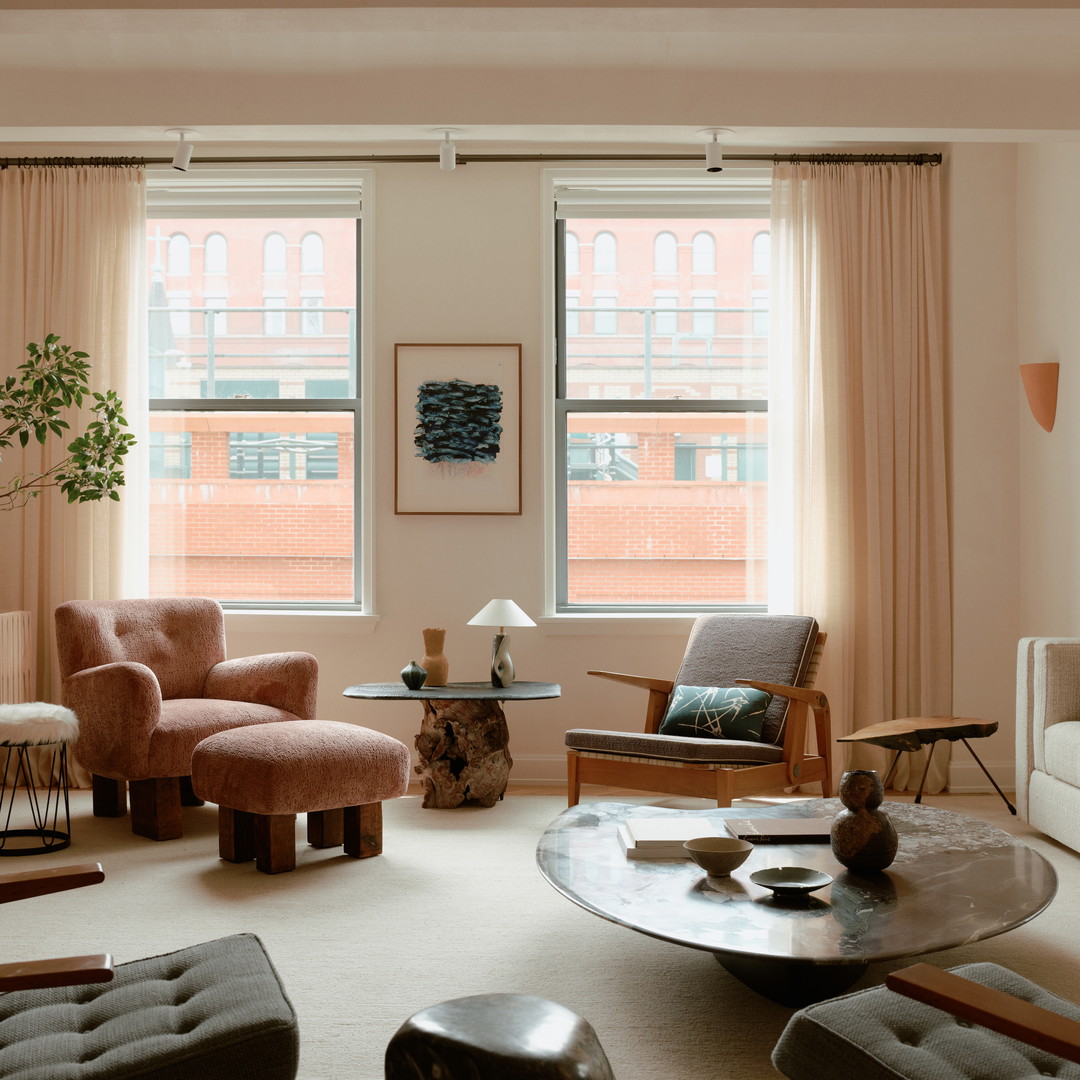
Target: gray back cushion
[{"x": 770, "y": 648}]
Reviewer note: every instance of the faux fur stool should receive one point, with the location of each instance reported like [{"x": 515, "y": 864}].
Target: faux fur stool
[
  {"x": 262, "y": 776},
  {"x": 22, "y": 727}
]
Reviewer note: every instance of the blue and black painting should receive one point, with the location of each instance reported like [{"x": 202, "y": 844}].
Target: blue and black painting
[{"x": 458, "y": 422}]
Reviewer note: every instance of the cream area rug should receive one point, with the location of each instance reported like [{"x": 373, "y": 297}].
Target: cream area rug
[{"x": 454, "y": 906}]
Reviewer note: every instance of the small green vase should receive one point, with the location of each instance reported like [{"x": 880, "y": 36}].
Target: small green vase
[{"x": 413, "y": 675}]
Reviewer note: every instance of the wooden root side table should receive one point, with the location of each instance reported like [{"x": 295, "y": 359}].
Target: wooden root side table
[
  {"x": 463, "y": 743},
  {"x": 913, "y": 732}
]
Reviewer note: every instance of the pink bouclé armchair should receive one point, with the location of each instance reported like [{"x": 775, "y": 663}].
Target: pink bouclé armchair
[{"x": 148, "y": 680}]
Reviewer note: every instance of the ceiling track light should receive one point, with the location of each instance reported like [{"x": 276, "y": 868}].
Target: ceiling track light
[
  {"x": 182, "y": 155},
  {"x": 714, "y": 148},
  {"x": 447, "y": 148}
]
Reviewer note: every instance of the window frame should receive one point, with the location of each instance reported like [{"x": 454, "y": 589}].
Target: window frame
[
  {"x": 752, "y": 202},
  {"x": 295, "y": 192}
]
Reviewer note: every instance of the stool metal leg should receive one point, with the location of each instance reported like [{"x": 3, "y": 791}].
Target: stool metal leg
[
  {"x": 44, "y": 819},
  {"x": 1012, "y": 809},
  {"x": 925, "y": 772}
]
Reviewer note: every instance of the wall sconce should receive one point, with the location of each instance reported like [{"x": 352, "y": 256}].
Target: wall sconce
[{"x": 1041, "y": 386}]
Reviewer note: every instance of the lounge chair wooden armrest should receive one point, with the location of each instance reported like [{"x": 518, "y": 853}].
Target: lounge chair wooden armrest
[
  {"x": 663, "y": 685},
  {"x": 795, "y": 693},
  {"x": 63, "y": 971},
  {"x": 42, "y": 882},
  {"x": 991, "y": 1008}
]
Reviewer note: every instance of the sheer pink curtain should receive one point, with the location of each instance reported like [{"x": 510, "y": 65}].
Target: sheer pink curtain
[
  {"x": 72, "y": 243},
  {"x": 860, "y": 498}
]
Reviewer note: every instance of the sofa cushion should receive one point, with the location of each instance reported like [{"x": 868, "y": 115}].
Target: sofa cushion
[
  {"x": 713, "y": 712},
  {"x": 1061, "y": 752}
]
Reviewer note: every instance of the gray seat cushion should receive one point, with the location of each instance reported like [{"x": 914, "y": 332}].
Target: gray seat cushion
[
  {"x": 673, "y": 747},
  {"x": 215, "y": 1011},
  {"x": 877, "y": 1034}
]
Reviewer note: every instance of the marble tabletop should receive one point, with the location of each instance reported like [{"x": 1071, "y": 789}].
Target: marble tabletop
[{"x": 955, "y": 880}]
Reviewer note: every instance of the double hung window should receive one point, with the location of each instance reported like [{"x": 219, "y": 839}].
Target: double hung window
[
  {"x": 661, "y": 393},
  {"x": 254, "y": 394}
]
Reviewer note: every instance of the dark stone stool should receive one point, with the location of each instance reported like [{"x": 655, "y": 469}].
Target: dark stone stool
[{"x": 496, "y": 1037}]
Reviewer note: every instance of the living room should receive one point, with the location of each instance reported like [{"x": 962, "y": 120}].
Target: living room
[{"x": 994, "y": 93}]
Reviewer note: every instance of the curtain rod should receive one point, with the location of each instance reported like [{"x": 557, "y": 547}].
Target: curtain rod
[{"x": 465, "y": 159}]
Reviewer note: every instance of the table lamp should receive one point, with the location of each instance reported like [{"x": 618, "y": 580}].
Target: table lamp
[{"x": 501, "y": 613}]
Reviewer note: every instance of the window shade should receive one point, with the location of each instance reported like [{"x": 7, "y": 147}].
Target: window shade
[{"x": 254, "y": 191}]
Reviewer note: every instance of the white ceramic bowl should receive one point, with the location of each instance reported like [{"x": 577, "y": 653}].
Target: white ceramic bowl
[{"x": 718, "y": 855}]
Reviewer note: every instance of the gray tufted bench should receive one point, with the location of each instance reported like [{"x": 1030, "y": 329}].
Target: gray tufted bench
[
  {"x": 877, "y": 1034},
  {"x": 215, "y": 1011}
]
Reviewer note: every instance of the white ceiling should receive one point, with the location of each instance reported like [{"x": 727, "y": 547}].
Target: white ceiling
[{"x": 382, "y": 78}]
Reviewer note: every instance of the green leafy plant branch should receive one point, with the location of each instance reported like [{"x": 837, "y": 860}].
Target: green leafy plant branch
[{"x": 32, "y": 404}]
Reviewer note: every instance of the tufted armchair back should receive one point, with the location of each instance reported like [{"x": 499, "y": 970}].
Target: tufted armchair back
[{"x": 179, "y": 639}]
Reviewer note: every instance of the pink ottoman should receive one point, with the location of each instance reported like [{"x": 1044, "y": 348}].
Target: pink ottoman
[{"x": 263, "y": 775}]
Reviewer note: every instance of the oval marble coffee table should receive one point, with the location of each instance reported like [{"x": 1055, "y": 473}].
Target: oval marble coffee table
[{"x": 955, "y": 880}]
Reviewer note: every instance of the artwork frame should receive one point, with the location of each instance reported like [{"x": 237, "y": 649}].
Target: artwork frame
[{"x": 457, "y": 428}]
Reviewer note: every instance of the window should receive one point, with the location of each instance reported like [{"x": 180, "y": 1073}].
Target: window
[
  {"x": 253, "y": 491},
  {"x": 704, "y": 254},
  {"x": 274, "y": 314},
  {"x": 179, "y": 255},
  {"x": 274, "y": 254},
  {"x": 762, "y": 253},
  {"x": 605, "y": 260},
  {"x": 572, "y": 318},
  {"x": 665, "y": 322},
  {"x": 216, "y": 259},
  {"x": 573, "y": 254},
  {"x": 662, "y": 436},
  {"x": 311, "y": 320},
  {"x": 311, "y": 254},
  {"x": 605, "y": 317},
  {"x": 665, "y": 254}
]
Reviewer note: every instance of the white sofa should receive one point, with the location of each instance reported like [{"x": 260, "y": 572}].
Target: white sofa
[{"x": 1048, "y": 736}]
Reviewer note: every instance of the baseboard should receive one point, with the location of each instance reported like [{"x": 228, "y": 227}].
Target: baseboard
[
  {"x": 966, "y": 778},
  {"x": 537, "y": 768}
]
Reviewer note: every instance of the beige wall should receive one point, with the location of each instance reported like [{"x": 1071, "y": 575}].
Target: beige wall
[
  {"x": 1049, "y": 331},
  {"x": 436, "y": 236}
]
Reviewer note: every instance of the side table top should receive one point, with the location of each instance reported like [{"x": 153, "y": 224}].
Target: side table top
[
  {"x": 912, "y": 732},
  {"x": 461, "y": 691}
]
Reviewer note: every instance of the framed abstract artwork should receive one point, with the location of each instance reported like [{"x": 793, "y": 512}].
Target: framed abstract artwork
[{"x": 457, "y": 429}]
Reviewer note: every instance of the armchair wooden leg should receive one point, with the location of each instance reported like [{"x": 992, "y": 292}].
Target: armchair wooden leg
[
  {"x": 187, "y": 793},
  {"x": 573, "y": 784},
  {"x": 723, "y": 787},
  {"x": 110, "y": 796},
  {"x": 363, "y": 830},
  {"x": 155, "y": 808},
  {"x": 275, "y": 843}
]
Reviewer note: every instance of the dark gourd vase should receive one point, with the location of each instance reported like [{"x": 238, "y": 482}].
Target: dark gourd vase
[
  {"x": 862, "y": 836},
  {"x": 413, "y": 675}
]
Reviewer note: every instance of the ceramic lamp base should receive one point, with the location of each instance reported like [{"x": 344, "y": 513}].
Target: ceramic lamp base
[{"x": 502, "y": 667}]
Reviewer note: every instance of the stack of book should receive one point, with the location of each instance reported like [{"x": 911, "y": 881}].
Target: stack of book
[{"x": 662, "y": 837}]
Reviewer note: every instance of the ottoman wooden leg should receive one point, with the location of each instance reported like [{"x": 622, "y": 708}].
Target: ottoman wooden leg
[
  {"x": 155, "y": 808},
  {"x": 326, "y": 828},
  {"x": 363, "y": 830},
  {"x": 236, "y": 835},
  {"x": 187, "y": 793},
  {"x": 275, "y": 843}
]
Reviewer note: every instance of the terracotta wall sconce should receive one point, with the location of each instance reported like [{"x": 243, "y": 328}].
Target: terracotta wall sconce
[{"x": 1041, "y": 386}]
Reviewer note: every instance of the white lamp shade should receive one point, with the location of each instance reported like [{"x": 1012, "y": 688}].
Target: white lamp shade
[{"x": 501, "y": 613}]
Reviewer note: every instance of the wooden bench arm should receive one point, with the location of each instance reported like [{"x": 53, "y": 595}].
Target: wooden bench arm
[
  {"x": 994, "y": 1009},
  {"x": 65, "y": 971},
  {"x": 42, "y": 882}
]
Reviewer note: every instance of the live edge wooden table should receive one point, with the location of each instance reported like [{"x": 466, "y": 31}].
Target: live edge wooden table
[
  {"x": 463, "y": 740},
  {"x": 913, "y": 732}
]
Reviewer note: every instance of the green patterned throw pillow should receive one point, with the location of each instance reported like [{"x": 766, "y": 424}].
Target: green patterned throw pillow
[{"x": 713, "y": 712}]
